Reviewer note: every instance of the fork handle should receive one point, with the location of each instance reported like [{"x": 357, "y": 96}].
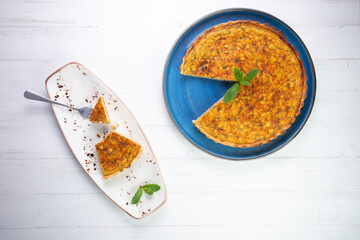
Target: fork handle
[{"x": 37, "y": 97}]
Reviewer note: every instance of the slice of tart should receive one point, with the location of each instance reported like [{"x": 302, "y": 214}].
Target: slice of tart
[
  {"x": 100, "y": 114},
  {"x": 260, "y": 112},
  {"x": 116, "y": 153}
]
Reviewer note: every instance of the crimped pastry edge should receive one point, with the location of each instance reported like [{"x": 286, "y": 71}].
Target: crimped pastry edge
[{"x": 304, "y": 77}]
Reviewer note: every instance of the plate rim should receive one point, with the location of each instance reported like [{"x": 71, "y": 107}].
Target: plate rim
[
  {"x": 239, "y": 10},
  {"x": 137, "y": 123}
]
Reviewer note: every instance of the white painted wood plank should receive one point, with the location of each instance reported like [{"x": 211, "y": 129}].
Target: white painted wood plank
[
  {"x": 334, "y": 101},
  {"x": 118, "y": 33},
  {"x": 81, "y": 13},
  {"x": 313, "y": 141},
  {"x": 64, "y": 175},
  {"x": 125, "y": 45},
  {"x": 331, "y": 109},
  {"x": 189, "y": 232},
  {"x": 207, "y": 209}
]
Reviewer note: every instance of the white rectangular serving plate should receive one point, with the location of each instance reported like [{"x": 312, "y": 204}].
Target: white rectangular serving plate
[{"x": 76, "y": 86}]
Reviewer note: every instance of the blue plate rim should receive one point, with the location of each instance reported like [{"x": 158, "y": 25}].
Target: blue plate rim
[{"x": 243, "y": 10}]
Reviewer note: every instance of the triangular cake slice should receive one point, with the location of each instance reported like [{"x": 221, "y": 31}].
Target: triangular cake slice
[
  {"x": 100, "y": 114},
  {"x": 260, "y": 112},
  {"x": 116, "y": 153}
]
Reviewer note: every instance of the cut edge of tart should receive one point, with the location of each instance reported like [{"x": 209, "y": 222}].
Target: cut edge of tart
[
  {"x": 244, "y": 145},
  {"x": 116, "y": 153},
  {"x": 100, "y": 113},
  {"x": 299, "y": 104}
]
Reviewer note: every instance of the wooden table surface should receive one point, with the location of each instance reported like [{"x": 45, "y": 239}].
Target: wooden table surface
[{"x": 308, "y": 190}]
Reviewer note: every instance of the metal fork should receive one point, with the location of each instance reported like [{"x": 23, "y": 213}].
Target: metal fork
[{"x": 85, "y": 111}]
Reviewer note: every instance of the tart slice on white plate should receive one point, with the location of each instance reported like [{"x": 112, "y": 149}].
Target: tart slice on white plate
[{"x": 100, "y": 113}]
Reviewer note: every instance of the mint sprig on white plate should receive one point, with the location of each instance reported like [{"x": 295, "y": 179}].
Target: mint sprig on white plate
[{"x": 148, "y": 188}]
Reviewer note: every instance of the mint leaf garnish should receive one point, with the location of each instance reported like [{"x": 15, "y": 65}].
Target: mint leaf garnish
[
  {"x": 244, "y": 82},
  {"x": 137, "y": 196},
  {"x": 233, "y": 91},
  {"x": 148, "y": 188},
  {"x": 251, "y": 74}
]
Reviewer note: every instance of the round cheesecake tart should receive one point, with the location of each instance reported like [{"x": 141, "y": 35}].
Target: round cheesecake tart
[{"x": 260, "y": 112}]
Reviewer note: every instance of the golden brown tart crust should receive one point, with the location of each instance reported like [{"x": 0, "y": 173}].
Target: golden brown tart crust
[
  {"x": 99, "y": 113},
  {"x": 116, "y": 153},
  {"x": 260, "y": 112}
]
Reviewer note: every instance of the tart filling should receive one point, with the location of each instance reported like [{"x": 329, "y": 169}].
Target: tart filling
[
  {"x": 99, "y": 113},
  {"x": 116, "y": 153}
]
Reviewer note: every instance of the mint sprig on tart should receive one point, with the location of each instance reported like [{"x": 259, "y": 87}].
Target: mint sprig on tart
[{"x": 240, "y": 80}]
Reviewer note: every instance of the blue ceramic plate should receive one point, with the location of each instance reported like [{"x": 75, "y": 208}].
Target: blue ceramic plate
[{"x": 188, "y": 97}]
